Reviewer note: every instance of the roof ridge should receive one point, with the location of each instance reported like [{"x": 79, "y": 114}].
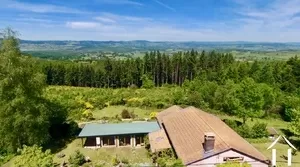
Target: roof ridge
[
  {"x": 231, "y": 130},
  {"x": 210, "y": 126}
]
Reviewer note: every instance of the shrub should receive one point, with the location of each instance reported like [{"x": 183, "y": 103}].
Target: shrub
[
  {"x": 34, "y": 156},
  {"x": 134, "y": 102},
  {"x": 77, "y": 158},
  {"x": 105, "y": 118},
  {"x": 166, "y": 162},
  {"x": 132, "y": 115},
  {"x": 245, "y": 131},
  {"x": 73, "y": 129},
  {"x": 87, "y": 114},
  {"x": 147, "y": 82},
  {"x": 88, "y": 105},
  {"x": 153, "y": 115},
  {"x": 231, "y": 123},
  {"x": 125, "y": 114},
  {"x": 259, "y": 130},
  {"x": 5, "y": 157},
  {"x": 160, "y": 105},
  {"x": 115, "y": 161}
]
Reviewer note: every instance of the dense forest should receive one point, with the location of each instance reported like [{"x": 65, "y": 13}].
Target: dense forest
[
  {"x": 208, "y": 80},
  {"x": 175, "y": 69}
]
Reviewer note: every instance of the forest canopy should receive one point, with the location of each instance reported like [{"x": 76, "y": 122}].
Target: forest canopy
[{"x": 210, "y": 80}]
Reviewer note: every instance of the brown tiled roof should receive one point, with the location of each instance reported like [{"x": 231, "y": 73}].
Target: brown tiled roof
[
  {"x": 166, "y": 112},
  {"x": 158, "y": 140},
  {"x": 186, "y": 133}
]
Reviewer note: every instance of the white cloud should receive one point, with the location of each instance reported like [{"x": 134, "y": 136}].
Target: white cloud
[
  {"x": 82, "y": 25},
  {"x": 277, "y": 11},
  {"x": 111, "y": 18},
  {"x": 41, "y": 8},
  {"x": 277, "y": 21},
  {"x": 274, "y": 22},
  {"x": 124, "y": 17},
  {"x": 105, "y": 19}
]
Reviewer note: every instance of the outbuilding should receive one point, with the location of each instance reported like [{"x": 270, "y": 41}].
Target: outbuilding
[{"x": 96, "y": 135}]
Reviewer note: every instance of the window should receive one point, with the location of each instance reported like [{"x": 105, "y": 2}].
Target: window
[
  {"x": 108, "y": 140},
  {"x": 238, "y": 159},
  {"x": 124, "y": 140},
  {"x": 139, "y": 139}
]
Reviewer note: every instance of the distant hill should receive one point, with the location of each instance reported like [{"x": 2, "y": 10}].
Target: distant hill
[{"x": 140, "y": 45}]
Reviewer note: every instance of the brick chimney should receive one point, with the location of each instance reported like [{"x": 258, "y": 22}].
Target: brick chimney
[{"x": 209, "y": 141}]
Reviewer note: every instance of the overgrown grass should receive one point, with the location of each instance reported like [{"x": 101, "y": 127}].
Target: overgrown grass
[
  {"x": 111, "y": 111},
  {"x": 105, "y": 155},
  {"x": 271, "y": 122}
]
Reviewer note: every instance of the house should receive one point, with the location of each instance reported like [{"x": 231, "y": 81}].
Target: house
[
  {"x": 198, "y": 138},
  {"x": 98, "y": 135},
  {"x": 202, "y": 139}
]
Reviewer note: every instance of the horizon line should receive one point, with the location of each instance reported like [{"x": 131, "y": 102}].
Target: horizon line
[{"x": 45, "y": 40}]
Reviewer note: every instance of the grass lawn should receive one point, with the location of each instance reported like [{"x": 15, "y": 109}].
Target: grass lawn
[
  {"x": 111, "y": 111},
  {"x": 271, "y": 122},
  {"x": 281, "y": 151},
  {"x": 263, "y": 144},
  {"x": 105, "y": 155}
]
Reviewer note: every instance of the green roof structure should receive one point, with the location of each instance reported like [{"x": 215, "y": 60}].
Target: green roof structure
[{"x": 97, "y": 129}]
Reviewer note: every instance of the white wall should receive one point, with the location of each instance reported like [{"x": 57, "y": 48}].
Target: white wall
[{"x": 217, "y": 159}]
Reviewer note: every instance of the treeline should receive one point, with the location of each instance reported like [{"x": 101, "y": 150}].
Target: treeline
[
  {"x": 175, "y": 69},
  {"x": 160, "y": 68}
]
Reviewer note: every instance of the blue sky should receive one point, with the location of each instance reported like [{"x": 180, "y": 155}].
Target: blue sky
[{"x": 154, "y": 20}]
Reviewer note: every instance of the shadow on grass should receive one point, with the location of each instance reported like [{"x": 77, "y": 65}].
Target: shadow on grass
[
  {"x": 290, "y": 136},
  {"x": 61, "y": 136},
  {"x": 286, "y": 132}
]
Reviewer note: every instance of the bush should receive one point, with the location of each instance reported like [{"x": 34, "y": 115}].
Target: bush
[
  {"x": 87, "y": 114},
  {"x": 5, "y": 157},
  {"x": 259, "y": 130},
  {"x": 133, "y": 115},
  {"x": 166, "y": 162},
  {"x": 77, "y": 158},
  {"x": 233, "y": 123},
  {"x": 160, "y": 105},
  {"x": 88, "y": 105},
  {"x": 116, "y": 161},
  {"x": 153, "y": 115},
  {"x": 34, "y": 156},
  {"x": 125, "y": 114}
]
